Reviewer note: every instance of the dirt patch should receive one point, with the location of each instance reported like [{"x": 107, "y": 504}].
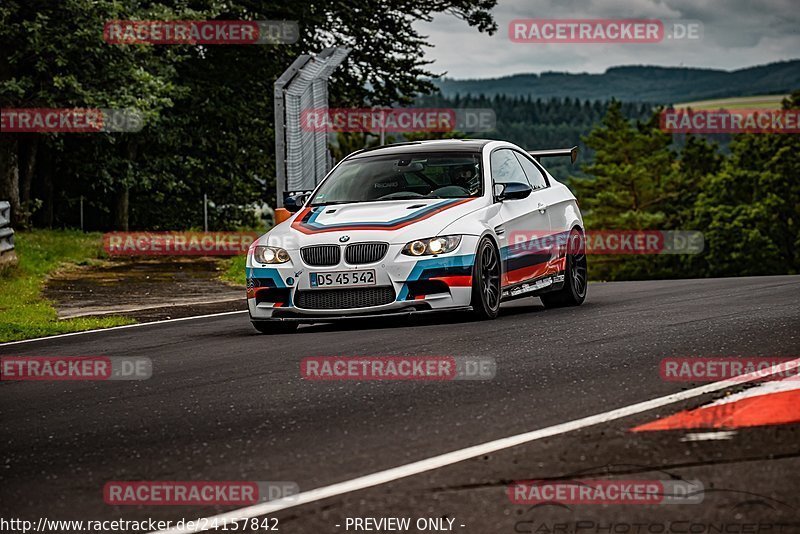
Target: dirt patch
[{"x": 144, "y": 289}]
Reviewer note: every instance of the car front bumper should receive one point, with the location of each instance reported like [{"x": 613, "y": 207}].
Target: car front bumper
[{"x": 403, "y": 284}]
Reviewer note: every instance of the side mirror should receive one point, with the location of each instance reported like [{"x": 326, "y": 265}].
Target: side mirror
[
  {"x": 513, "y": 191},
  {"x": 293, "y": 203}
]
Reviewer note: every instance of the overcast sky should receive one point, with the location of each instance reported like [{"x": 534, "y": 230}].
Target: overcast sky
[{"x": 736, "y": 34}]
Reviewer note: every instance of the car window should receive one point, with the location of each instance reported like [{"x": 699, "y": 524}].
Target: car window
[
  {"x": 535, "y": 176},
  {"x": 375, "y": 177},
  {"x": 506, "y": 168}
]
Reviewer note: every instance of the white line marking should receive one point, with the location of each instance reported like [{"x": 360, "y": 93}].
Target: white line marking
[
  {"x": 435, "y": 462},
  {"x": 709, "y": 436},
  {"x": 136, "y": 325},
  {"x": 767, "y": 388},
  {"x": 102, "y": 312}
]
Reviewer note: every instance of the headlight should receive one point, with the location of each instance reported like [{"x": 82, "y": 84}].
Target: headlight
[
  {"x": 270, "y": 255},
  {"x": 432, "y": 246}
]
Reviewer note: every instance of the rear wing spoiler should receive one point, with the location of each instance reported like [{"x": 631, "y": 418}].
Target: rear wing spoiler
[{"x": 555, "y": 153}]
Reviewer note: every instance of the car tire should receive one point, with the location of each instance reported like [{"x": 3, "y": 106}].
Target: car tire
[
  {"x": 575, "y": 275},
  {"x": 275, "y": 327},
  {"x": 486, "y": 281}
]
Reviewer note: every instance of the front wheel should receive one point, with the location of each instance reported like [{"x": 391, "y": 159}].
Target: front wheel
[
  {"x": 275, "y": 327},
  {"x": 486, "y": 281},
  {"x": 575, "y": 276}
]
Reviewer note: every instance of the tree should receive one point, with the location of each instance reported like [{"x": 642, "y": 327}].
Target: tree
[
  {"x": 699, "y": 159},
  {"x": 632, "y": 173},
  {"x": 750, "y": 209},
  {"x": 634, "y": 185},
  {"x": 208, "y": 109},
  {"x": 57, "y": 59}
]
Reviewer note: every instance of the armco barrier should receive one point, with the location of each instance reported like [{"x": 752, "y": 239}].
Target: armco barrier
[
  {"x": 7, "y": 254},
  {"x": 5, "y": 213}
]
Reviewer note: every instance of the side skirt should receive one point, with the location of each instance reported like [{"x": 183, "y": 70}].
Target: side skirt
[{"x": 531, "y": 288}]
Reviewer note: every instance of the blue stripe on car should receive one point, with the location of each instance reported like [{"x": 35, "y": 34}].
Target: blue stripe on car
[
  {"x": 417, "y": 273},
  {"x": 265, "y": 274}
]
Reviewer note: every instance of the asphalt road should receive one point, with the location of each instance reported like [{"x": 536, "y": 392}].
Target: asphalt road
[{"x": 225, "y": 403}]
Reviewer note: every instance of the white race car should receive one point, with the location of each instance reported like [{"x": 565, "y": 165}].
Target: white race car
[{"x": 421, "y": 226}]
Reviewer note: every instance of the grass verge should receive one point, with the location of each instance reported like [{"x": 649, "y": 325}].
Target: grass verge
[
  {"x": 742, "y": 102},
  {"x": 234, "y": 270},
  {"x": 24, "y": 313}
]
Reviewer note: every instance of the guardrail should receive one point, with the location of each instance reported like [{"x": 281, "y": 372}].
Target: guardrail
[{"x": 7, "y": 253}]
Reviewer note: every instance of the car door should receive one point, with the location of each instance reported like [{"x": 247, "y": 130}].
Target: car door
[
  {"x": 524, "y": 248},
  {"x": 554, "y": 201}
]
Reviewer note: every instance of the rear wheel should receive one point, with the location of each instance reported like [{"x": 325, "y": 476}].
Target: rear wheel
[
  {"x": 486, "y": 281},
  {"x": 275, "y": 327},
  {"x": 575, "y": 280}
]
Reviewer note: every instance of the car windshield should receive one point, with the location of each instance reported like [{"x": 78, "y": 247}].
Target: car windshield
[{"x": 403, "y": 176}]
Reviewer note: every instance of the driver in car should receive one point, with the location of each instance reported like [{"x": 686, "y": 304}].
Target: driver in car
[{"x": 465, "y": 177}]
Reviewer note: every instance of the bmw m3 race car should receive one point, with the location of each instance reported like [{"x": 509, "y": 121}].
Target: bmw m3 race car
[{"x": 421, "y": 226}]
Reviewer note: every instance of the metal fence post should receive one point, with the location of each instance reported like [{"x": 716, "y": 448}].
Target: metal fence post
[{"x": 205, "y": 212}]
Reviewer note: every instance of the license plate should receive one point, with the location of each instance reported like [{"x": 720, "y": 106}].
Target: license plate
[{"x": 343, "y": 278}]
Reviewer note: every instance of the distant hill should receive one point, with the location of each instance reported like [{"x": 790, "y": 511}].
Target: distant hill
[{"x": 665, "y": 85}]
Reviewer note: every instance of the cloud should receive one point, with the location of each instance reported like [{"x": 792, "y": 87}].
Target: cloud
[{"x": 736, "y": 34}]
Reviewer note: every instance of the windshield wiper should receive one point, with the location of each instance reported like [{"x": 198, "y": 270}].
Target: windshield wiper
[
  {"x": 407, "y": 197},
  {"x": 402, "y": 197},
  {"x": 332, "y": 202}
]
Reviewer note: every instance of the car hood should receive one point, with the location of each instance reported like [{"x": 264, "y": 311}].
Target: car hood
[{"x": 395, "y": 221}]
